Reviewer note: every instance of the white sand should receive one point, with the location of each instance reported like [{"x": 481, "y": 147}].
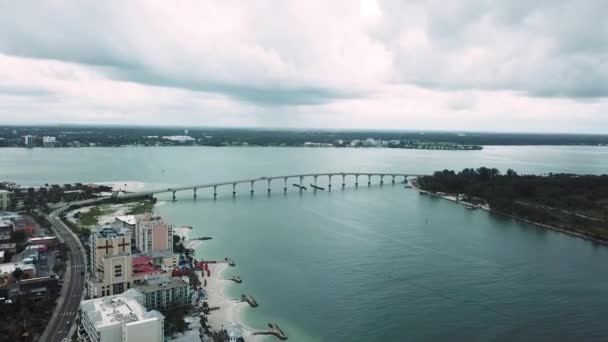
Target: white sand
[
  {"x": 230, "y": 308},
  {"x": 184, "y": 232}
]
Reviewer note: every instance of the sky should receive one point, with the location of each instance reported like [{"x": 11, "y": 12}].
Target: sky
[{"x": 466, "y": 65}]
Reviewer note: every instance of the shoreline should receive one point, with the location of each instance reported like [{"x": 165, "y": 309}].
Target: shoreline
[
  {"x": 230, "y": 309},
  {"x": 521, "y": 219}
]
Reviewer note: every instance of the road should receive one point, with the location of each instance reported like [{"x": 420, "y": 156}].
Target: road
[{"x": 68, "y": 303}]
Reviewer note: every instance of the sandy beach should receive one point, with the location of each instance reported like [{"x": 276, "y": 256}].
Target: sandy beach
[
  {"x": 184, "y": 232},
  {"x": 230, "y": 308}
]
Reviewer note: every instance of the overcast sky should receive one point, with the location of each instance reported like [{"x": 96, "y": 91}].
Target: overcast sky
[{"x": 513, "y": 65}]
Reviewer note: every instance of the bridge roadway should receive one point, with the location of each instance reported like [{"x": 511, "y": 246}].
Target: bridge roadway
[{"x": 252, "y": 181}]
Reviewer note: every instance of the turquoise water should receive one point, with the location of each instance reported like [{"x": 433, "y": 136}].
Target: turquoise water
[{"x": 369, "y": 264}]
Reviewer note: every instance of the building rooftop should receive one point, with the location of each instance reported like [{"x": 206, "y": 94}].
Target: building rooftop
[
  {"x": 9, "y": 245},
  {"x": 10, "y": 267},
  {"x": 160, "y": 282},
  {"x": 130, "y": 220},
  {"x": 108, "y": 232},
  {"x": 119, "y": 309}
]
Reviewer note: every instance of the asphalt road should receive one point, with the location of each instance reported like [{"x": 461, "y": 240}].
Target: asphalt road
[{"x": 66, "y": 310}]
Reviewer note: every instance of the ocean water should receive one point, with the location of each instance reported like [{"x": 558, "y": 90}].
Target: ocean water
[{"x": 379, "y": 263}]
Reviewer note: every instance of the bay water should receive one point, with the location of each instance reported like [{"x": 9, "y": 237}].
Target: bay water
[{"x": 379, "y": 263}]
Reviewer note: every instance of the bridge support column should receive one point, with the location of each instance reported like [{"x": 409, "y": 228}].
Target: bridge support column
[
  {"x": 285, "y": 185},
  {"x": 343, "y": 181},
  {"x": 252, "y": 188},
  {"x": 233, "y": 189},
  {"x": 393, "y": 180},
  {"x": 404, "y": 179},
  {"x": 381, "y": 180},
  {"x": 194, "y": 193},
  {"x": 369, "y": 180},
  {"x": 329, "y": 185},
  {"x": 315, "y": 183},
  {"x": 215, "y": 192},
  {"x": 356, "y": 181},
  {"x": 269, "y": 186},
  {"x": 174, "y": 195},
  {"x": 301, "y": 181}
]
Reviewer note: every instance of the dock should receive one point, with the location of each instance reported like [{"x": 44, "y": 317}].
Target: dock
[
  {"x": 273, "y": 330},
  {"x": 236, "y": 279},
  {"x": 202, "y": 238},
  {"x": 249, "y": 299},
  {"x": 229, "y": 262}
]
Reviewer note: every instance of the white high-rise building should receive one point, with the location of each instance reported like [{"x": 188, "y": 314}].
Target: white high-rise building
[
  {"x": 111, "y": 262},
  {"x": 28, "y": 140},
  {"x": 119, "y": 318},
  {"x": 5, "y": 199}
]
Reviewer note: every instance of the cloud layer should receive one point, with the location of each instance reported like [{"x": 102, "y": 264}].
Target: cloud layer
[{"x": 474, "y": 65}]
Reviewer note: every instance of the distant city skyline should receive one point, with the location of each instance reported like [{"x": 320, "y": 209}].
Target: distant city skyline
[{"x": 510, "y": 66}]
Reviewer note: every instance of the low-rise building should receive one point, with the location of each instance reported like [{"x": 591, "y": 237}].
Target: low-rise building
[
  {"x": 9, "y": 247},
  {"x": 119, "y": 318},
  {"x": 165, "y": 259},
  {"x": 7, "y": 270},
  {"x": 49, "y": 241},
  {"x": 162, "y": 292}
]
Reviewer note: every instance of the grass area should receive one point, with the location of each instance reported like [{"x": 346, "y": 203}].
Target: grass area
[
  {"x": 91, "y": 217},
  {"x": 140, "y": 207}
]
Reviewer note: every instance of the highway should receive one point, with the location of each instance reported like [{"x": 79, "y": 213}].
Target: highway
[{"x": 66, "y": 311}]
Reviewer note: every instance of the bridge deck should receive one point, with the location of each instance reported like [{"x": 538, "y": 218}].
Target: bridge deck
[{"x": 258, "y": 179}]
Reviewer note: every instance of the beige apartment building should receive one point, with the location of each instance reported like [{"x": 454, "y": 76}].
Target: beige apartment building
[{"x": 111, "y": 262}]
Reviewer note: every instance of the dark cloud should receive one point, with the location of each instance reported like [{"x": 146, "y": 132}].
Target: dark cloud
[{"x": 556, "y": 48}]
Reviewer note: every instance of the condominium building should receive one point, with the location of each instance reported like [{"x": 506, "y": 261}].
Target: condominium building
[
  {"x": 162, "y": 292},
  {"x": 5, "y": 199},
  {"x": 111, "y": 262},
  {"x": 48, "y": 141},
  {"x": 29, "y": 140},
  {"x": 119, "y": 318},
  {"x": 152, "y": 234}
]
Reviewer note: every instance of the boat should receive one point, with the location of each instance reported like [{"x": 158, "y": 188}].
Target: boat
[{"x": 471, "y": 207}]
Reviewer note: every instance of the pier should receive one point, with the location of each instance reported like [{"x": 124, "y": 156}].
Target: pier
[
  {"x": 273, "y": 329},
  {"x": 229, "y": 262},
  {"x": 236, "y": 279},
  {"x": 202, "y": 238},
  {"x": 371, "y": 177},
  {"x": 249, "y": 299}
]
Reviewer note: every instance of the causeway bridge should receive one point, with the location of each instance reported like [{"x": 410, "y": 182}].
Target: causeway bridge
[{"x": 299, "y": 179}]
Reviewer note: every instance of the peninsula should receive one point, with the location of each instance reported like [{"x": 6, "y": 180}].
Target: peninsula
[{"x": 575, "y": 204}]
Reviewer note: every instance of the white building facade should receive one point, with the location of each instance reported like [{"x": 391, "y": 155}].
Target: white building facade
[
  {"x": 119, "y": 318},
  {"x": 5, "y": 199}
]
